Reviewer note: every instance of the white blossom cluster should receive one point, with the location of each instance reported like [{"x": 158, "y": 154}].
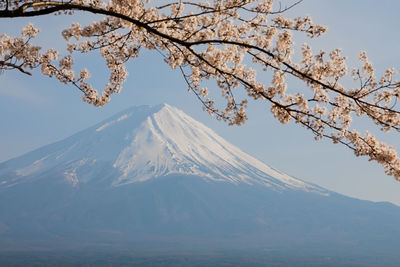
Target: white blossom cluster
[
  {"x": 19, "y": 53},
  {"x": 212, "y": 40}
]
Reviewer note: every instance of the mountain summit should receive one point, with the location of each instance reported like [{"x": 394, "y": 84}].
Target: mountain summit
[{"x": 144, "y": 143}]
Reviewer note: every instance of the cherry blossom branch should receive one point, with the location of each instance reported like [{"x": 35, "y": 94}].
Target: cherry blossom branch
[
  {"x": 212, "y": 41},
  {"x": 4, "y": 65}
]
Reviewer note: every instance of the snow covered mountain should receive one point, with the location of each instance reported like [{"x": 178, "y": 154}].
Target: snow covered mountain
[
  {"x": 145, "y": 143},
  {"x": 152, "y": 178}
]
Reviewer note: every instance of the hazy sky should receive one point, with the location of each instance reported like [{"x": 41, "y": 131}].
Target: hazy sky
[{"x": 37, "y": 110}]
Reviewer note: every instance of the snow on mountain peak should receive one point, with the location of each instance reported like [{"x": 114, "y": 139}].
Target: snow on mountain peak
[
  {"x": 102, "y": 127},
  {"x": 145, "y": 143},
  {"x": 171, "y": 142}
]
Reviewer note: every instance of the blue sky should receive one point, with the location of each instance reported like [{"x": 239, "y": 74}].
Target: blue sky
[{"x": 37, "y": 110}]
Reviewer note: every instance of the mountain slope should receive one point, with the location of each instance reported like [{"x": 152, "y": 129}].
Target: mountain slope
[{"x": 144, "y": 143}]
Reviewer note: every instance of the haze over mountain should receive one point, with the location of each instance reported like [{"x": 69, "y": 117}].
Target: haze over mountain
[{"x": 153, "y": 177}]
